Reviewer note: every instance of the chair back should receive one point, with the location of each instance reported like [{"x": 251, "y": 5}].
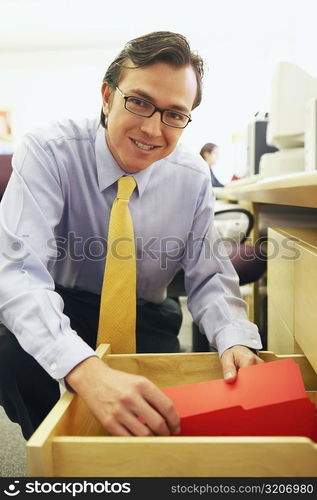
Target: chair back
[
  {"x": 234, "y": 223},
  {"x": 5, "y": 172}
]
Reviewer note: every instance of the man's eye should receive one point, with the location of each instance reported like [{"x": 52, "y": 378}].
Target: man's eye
[
  {"x": 172, "y": 115},
  {"x": 138, "y": 102}
]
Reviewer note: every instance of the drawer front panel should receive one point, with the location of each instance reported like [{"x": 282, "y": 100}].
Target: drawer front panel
[
  {"x": 280, "y": 339},
  {"x": 305, "y": 277},
  {"x": 280, "y": 276}
]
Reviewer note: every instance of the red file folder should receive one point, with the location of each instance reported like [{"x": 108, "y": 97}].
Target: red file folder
[{"x": 265, "y": 400}]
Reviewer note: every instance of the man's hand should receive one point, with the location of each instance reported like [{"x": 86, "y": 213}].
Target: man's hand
[
  {"x": 117, "y": 399},
  {"x": 237, "y": 357}
]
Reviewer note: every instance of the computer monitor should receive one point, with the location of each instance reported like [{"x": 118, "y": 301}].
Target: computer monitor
[
  {"x": 292, "y": 89},
  {"x": 257, "y": 145}
]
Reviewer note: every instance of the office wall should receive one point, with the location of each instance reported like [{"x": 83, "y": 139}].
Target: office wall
[
  {"x": 53, "y": 56},
  {"x": 42, "y": 85}
]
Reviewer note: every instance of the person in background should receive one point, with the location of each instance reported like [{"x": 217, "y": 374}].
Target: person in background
[
  {"x": 54, "y": 217},
  {"x": 209, "y": 152}
]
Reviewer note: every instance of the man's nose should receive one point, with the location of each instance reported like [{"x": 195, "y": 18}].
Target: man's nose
[{"x": 152, "y": 126}]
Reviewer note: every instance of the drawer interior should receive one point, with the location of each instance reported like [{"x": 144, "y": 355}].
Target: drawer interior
[{"x": 167, "y": 370}]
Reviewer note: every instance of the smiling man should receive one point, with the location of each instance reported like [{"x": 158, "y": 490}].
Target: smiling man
[{"x": 54, "y": 227}]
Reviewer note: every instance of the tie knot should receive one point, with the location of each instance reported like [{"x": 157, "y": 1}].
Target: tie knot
[{"x": 126, "y": 186}]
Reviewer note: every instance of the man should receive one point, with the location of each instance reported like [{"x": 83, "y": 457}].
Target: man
[{"x": 54, "y": 219}]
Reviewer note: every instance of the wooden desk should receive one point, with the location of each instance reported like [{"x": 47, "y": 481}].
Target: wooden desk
[
  {"x": 284, "y": 198},
  {"x": 291, "y": 202},
  {"x": 298, "y": 190}
]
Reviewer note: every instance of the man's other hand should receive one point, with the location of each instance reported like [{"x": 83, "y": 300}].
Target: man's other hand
[{"x": 237, "y": 357}]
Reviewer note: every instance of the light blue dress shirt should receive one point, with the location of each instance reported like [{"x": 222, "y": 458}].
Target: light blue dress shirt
[{"x": 53, "y": 228}]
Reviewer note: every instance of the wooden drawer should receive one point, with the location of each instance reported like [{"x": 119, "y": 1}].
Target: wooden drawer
[
  {"x": 71, "y": 443},
  {"x": 292, "y": 291},
  {"x": 305, "y": 311},
  {"x": 280, "y": 339},
  {"x": 280, "y": 276}
]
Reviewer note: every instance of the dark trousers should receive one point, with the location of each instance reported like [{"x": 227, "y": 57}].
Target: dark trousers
[{"x": 27, "y": 392}]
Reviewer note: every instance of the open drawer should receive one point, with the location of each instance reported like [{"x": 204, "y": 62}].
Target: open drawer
[{"x": 71, "y": 443}]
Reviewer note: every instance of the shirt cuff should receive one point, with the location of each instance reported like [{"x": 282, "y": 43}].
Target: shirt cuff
[
  {"x": 66, "y": 352},
  {"x": 244, "y": 333}
]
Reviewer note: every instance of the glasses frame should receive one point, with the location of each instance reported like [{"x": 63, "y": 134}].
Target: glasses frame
[{"x": 155, "y": 109}]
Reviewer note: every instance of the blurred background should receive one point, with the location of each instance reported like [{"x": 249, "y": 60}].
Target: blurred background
[{"x": 54, "y": 53}]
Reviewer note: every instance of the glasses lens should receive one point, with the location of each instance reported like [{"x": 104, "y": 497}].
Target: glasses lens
[
  {"x": 175, "y": 119},
  {"x": 139, "y": 106}
]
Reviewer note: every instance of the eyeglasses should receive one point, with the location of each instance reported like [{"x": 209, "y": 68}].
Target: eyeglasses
[{"x": 141, "y": 107}]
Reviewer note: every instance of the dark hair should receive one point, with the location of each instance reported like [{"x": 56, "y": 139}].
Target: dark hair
[
  {"x": 207, "y": 148},
  {"x": 159, "y": 46}
]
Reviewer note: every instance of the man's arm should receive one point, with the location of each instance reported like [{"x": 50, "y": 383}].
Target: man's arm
[
  {"x": 30, "y": 308},
  {"x": 214, "y": 298}
]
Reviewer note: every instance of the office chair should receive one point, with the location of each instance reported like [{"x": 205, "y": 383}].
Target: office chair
[
  {"x": 234, "y": 225},
  {"x": 233, "y": 222},
  {"x": 5, "y": 172}
]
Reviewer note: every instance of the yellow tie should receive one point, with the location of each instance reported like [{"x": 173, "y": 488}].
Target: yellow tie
[{"x": 117, "y": 317}]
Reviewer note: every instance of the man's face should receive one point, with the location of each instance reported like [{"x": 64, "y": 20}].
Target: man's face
[{"x": 135, "y": 141}]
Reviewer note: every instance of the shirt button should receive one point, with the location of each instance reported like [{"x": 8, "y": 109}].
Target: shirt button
[{"x": 53, "y": 367}]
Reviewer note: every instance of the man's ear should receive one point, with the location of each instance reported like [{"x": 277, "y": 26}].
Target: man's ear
[{"x": 106, "y": 91}]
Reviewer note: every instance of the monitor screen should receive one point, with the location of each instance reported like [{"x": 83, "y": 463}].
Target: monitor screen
[{"x": 292, "y": 89}]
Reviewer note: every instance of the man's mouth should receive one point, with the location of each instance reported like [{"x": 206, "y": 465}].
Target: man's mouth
[{"x": 145, "y": 147}]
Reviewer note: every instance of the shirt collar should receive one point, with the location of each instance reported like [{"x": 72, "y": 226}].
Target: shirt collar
[{"x": 108, "y": 170}]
